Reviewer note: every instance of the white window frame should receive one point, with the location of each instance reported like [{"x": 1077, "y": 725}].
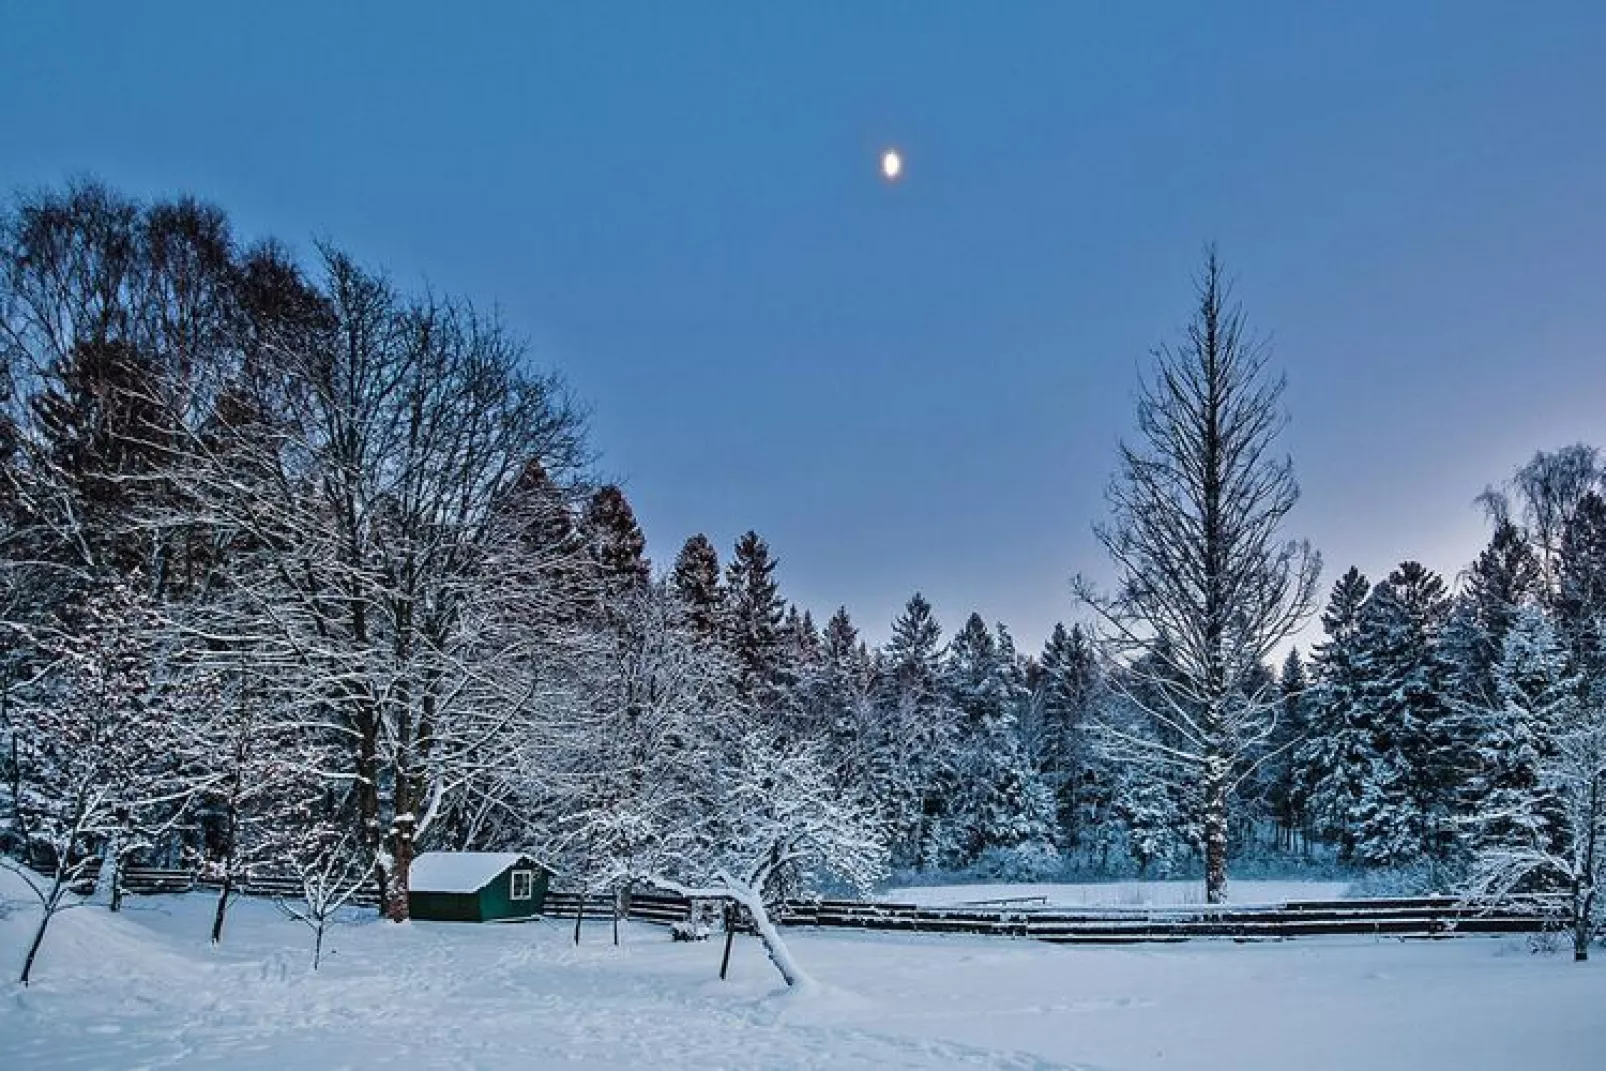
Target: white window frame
[{"x": 529, "y": 885}]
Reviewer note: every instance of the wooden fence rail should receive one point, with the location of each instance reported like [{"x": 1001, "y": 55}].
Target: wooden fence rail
[
  {"x": 1423, "y": 917},
  {"x": 1431, "y": 916}
]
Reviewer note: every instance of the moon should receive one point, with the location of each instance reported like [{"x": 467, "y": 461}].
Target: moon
[{"x": 891, "y": 165}]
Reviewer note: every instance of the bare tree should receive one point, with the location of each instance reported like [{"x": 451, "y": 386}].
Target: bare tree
[
  {"x": 1542, "y": 498},
  {"x": 332, "y": 865},
  {"x": 376, "y": 528},
  {"x": 1207, "y": 586}
]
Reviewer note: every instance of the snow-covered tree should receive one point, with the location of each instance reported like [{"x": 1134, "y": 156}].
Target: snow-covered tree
[
  {"x": 1284, "y": 782},
  {"x": 1337, "y": 753},
  {"x": 93, "y": 776},
  {"x": 616, "y": 543},
  {"x": 1552, "y": 834},
  {"x": 1061, "y": 727},
  {"x": 639, "y": 775},
  {"x": 1206, "y": 582},
  {"x": 754, "y": 613},
  {"x": 385, "y": 541},
  {"x": 1407, "y": 807},
  {"x": 779, "y": 823},
  {"x": 695, "y": 579},
  {"x": 996, "y": 808},
  {"x": 1536, "y": 692},
  {"x": 257, "y": 762},
  {"x": 331, "y": 864},
  {"x": 1505, "y": 577},
  {"x": 916, "y": 729}
]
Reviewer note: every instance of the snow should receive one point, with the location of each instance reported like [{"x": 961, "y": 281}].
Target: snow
[
  {"x": 1113, "y": 894},
  {"x": 144, "y": 988},
  {"x": 458, "y": 872}
]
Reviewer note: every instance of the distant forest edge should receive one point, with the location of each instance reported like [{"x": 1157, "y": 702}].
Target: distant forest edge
[{"x": 303, "y": 573}]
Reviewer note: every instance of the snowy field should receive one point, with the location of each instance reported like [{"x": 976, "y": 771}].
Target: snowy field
[
  {"x": 145, "y": 990},
  {"x": 1114, "y": 894}
]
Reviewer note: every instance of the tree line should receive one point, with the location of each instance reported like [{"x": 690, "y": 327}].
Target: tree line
[{"x": 303, "y": 572}]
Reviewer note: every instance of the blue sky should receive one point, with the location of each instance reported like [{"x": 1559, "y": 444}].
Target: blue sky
[{"x": 917, "y": 386}]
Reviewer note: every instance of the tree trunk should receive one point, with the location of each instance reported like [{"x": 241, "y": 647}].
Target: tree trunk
[
  {"x": 108, "y": 882},
  {"x": 33, "y": 947},
  {"x": 401, "y": 865},
  {"x": 1215, "y": 831},
  {"x": 774, "y": 947},
  {"x": 222, "y": 907}
]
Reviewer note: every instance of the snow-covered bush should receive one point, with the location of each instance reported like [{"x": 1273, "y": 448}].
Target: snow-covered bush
[
  {"x": 1032, "y": 861},
  {"x": 688, "y": 930}
]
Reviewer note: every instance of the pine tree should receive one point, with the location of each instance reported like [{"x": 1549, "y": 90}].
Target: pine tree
[
  {"x": 1407, "y": 807},
  {"x": 1505, "y": 578},
  {"x": 754, "y": 613},
  {"x": 1338, "y": 751},
  {"x": 1515, "y": 738},
  {"x": 916, "y": 730},
  {"x": 106, "y": 437},
  {"x": 615, "y": 542},
  {"x": 976, "y": 689},
  {"x": 1062, "y": 714},
  {"x": 695, "y": 579},
  {"x": 1286, "y": 782}
]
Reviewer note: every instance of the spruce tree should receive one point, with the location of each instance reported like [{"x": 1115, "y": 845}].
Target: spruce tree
[
  {"x": 615, "y": 543},
  {"x": 1337, "y": 752},
  {"x": 695, "y": 580},
  {"x": 754, "y": 613},
  {"x": 106, "y": 436},
  {"x": 1063, "y": 700},
  {"x": 995, "y": 805},
  {"x": 917, "y": 725},
  {"x": 1581, "y": 590},
  {"x": 1515, "y": 739},
  {"x": 1408, "y": 803},
  {"x": 1286, "y": 781},
  {"x": 842, "y": 702},
  {"x": 1503, "y": 579}
]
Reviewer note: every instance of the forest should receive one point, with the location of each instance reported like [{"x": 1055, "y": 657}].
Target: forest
[{"x": 303, "y": 572}]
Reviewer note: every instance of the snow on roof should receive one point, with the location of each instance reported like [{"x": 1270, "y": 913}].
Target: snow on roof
[{"x": 459, "y": 872}]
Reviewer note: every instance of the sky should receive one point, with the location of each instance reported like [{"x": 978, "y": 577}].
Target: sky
[{"x": 919, "y": 385}]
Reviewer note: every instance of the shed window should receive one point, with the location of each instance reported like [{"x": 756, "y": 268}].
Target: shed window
[{"x": 523, "y": 885}]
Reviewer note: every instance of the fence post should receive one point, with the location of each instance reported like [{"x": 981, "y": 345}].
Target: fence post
[{"x": 730, "y": 936}]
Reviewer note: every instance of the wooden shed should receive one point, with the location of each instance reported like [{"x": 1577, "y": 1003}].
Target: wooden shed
[{"x": 476, "y": 886}]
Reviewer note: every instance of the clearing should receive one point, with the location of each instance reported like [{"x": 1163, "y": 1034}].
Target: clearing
[{"x": 145, "y": 989}]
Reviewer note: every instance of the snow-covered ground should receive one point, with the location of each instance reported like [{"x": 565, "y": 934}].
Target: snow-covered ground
[
  {"x": 1114, "y": 894},
  {"x": 145, "y": 990}
]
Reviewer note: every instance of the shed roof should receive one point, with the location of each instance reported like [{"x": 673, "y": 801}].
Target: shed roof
[{"x": 460, "y": 872}]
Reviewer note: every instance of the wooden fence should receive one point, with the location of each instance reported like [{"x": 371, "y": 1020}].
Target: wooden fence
[
  {"x": 1433, "y": 916},
  {"x": 1414, "y": 917}
]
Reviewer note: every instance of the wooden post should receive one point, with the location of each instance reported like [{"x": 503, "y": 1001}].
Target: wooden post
[
  {"x": 730, "y": 935},
  {"x": 579, "y": 913}
]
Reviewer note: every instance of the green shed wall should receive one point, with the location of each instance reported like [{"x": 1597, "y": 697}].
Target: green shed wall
[
  {"x": 496, "y": 899},
  {"x": 444, "y": 907}
]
